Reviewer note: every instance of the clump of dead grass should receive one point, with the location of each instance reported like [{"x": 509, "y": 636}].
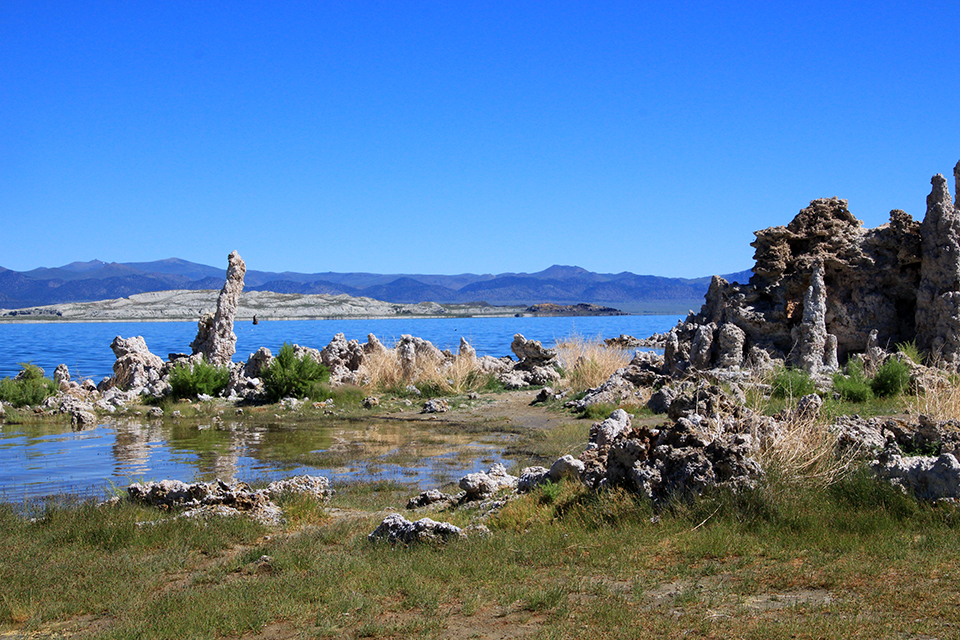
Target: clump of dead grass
[
  {"x": 588, "y": 362},
  {"x": 940, "y": 399},
  {"x": 384, "y": 371},
  {"x": 805, "y": 450}
]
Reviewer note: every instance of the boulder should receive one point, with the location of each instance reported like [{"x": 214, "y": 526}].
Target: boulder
[
  {"x": 257, "y": 363},
  {"x": 397, "y": 529},
  {"x": 530, "y": 353},
  {"x": 531, "y": 477},
  {"x": 61, "y": 375},
  {"x": 730, "y": 343},
  {"x": 135, "y": 367},
  {"x": 416, "y": 355},
  {"x": 480, "y": 485},
  {"x": 675, "y": 460},
  {"x": 603, "y": 433},
  {"x": 566, "y": 467},
  {"x": 429, "y": 498}
]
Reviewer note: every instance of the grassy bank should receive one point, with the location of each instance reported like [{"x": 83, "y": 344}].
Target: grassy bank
[{"x": 854, "y": 560}]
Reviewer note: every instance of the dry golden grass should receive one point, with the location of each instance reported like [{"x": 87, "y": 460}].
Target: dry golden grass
[
  {"x": 805, "y": 450},
  {"x": 588, "y": 363},
  {"x": 384, "y": 370},
  {"x": 940, "y": 400}
]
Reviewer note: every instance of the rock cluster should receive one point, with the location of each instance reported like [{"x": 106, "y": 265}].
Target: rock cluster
[
  {"x": 222, "y": 498},
  {"x": 823, "y": 283}
]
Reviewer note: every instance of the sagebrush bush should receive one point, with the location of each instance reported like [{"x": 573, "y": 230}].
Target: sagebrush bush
[
  {"x": 188, "y": 381},
  {"x": 892, "y": 378},
  {"x": 289, "y": 376},
  {"x": 853, "y": 387},
  {"x": 792, "y": 383},
  {"x": 30, "y": 387}
]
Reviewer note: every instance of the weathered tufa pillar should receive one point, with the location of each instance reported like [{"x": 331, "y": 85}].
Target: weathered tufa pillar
[
  {"x": 215, "y": 337},
  {"x": 813, "y": 327},
  {"x": 938, "y": 297}
]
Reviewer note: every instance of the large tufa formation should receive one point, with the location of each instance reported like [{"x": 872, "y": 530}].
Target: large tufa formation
[
  {"x": 938, "y": 299},
  {"x": 822, "y": 284},
  {"x": 215, "y": 339}
]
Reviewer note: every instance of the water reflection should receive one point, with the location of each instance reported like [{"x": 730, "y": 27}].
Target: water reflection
[{"x": 44, "y": 459}]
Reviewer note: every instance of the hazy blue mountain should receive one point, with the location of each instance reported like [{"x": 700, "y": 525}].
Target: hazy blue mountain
[{"x": 561, "y": 284}]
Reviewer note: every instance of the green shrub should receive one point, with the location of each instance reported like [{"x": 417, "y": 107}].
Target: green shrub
[
  {"x": 891, "y": 379},
  {"x": 792, "y": 383},
  {"x": 201, "y": 378},
  {"x": 853, "y": 387},
  {"x": 31, "y": 387},
  {"x": 290, "y": 376},
  {"x": 910, "y": 350}
]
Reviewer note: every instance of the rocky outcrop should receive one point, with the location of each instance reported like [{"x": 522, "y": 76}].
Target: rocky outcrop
[
  {"x": 135, "y": 368},
  {"x": 823, "y": 283},
  {"x": 679, "y": 459},
  {"x": 535, "y": 365},
  {"x": 343, "y": 358},
  {"x": 215, "y": 337},
  {"x": 226, "y": 498},
  {"x": 813, "y": 327}
]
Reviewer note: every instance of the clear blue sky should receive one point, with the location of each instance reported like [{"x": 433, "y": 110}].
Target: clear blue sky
[{"x": 450, "y": 137}]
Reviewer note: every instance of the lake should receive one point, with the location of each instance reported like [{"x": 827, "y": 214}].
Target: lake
[
  {"x": 39, "y": 460},
  {"x": 85, "y": 346}
]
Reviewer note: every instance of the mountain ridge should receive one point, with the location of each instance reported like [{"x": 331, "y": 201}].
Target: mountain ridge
[{"x": 562, "y": 284}]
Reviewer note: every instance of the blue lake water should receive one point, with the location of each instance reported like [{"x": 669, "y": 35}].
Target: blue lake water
[
  {"x": 85, "y": 347},
  {"x": 45, "y": 460}
]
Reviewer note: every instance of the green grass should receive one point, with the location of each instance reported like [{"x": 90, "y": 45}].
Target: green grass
[
  {"x": 564, "y": 561},
  {"x": 857, "y": 559}
]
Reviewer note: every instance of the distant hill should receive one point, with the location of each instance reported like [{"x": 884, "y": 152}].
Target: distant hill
[{"x": 560, "y": 284}]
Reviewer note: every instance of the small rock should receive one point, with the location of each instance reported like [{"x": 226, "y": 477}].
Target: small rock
[{"x": 435, "y": 405}]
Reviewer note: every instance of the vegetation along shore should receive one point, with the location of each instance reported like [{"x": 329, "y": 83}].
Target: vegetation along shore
[{"x": 787, "y": 467}]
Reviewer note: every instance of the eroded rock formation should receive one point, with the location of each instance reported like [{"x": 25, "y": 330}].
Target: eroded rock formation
[
  {"x": 823, "y": 283},
  {"x": 215, "y": 337}
]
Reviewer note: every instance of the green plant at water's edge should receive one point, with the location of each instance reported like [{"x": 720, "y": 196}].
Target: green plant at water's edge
[
  {"x": 188, "y": 381},
  {"x": 290, "y": 376},
  {"x": 792, "y": 383},
  {"x": 31, "y": 387},
  {"x": 892, "y": 378}
]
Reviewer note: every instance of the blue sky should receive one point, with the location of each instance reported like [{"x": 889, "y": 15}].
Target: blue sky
[{"x": 451, "y": 137}]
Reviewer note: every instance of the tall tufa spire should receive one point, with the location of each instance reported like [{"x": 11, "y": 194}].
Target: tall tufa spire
[{"x": 956, "y": 183}]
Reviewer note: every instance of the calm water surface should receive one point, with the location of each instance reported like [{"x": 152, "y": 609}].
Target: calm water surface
[
  {"x": 37, "y": 461},
  {"x": 85, "y": 347}
]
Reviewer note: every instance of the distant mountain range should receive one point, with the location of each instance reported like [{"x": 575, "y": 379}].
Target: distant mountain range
[{"x": 97, "y": 280}]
